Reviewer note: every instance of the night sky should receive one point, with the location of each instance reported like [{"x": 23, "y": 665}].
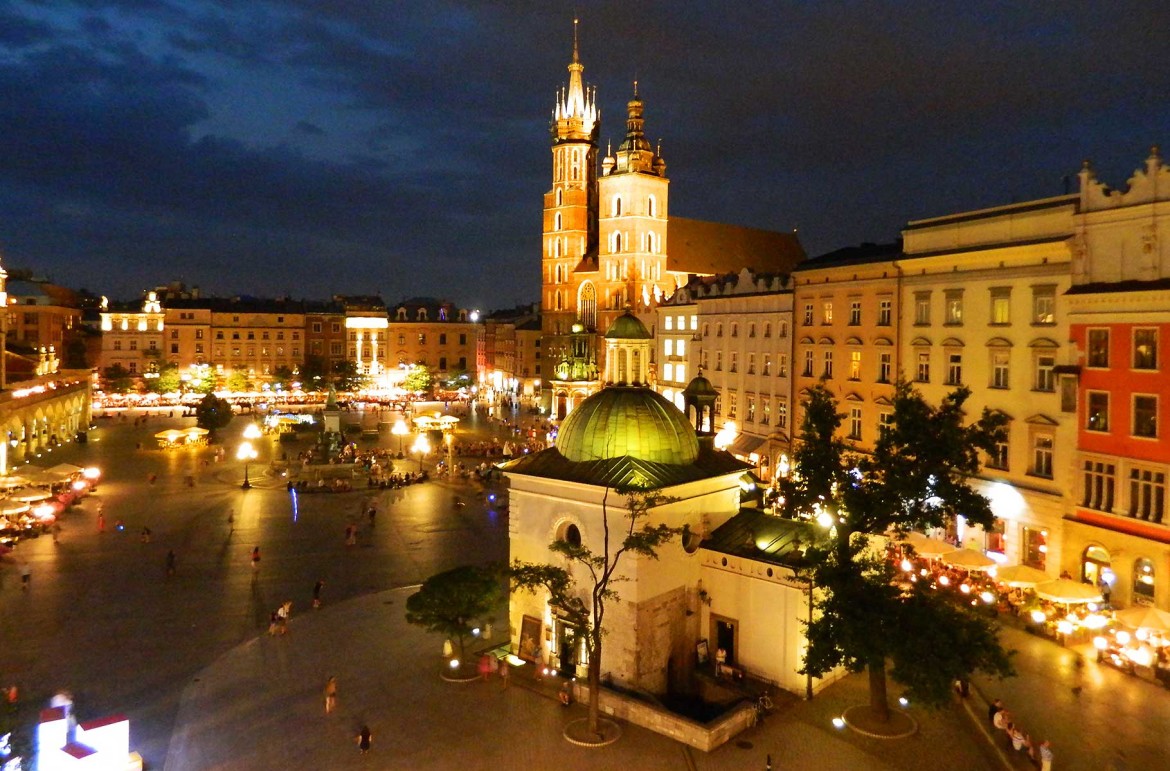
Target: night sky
[{"x": 371, "y": 146}]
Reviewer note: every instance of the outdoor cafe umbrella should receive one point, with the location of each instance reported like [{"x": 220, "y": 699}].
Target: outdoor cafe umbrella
[
  {"x": 9, "y": 483},
  {"x": 1068, "y": 591},
  {"x": 32, "y": 496},
  {"x": 1144, "y": 617},
  {"x": 9, "y": 507},
  {"x": 929, "y": 547},
  {"x": 65, "y": 469},
  {"x": 968, "y": 559},
  {"x": 170, "y": 435},
  {"x": 1021, "y": 575}
]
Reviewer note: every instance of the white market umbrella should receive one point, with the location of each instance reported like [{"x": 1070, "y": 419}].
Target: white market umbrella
[
  {"x": 969, "y": 559},
  {"x": 1144, "y": 617},
  {"x": 929, "y": 547},
  {"x": 1068, "y": 591},
  {"x": 170, "y": 435},
  {"x": 65, "y": 469},
  {"x": 1021, "y": 575},
  {"x": 12, "y": 482},
  {"x": 32, "y": 496},
  {"x": 9, "y": 508}
]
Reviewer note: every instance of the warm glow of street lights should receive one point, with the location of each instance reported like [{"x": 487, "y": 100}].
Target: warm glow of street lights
[
  {"x": 246, "y": 453},
  {"x": 252, "y": 432},
  {"x": 420, "y": 448},
  {"x": 400, "y": 430},
  {"x": 726, "y": 435}
]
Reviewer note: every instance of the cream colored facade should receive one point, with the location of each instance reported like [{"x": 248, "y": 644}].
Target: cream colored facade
[
  {"x": 256, "y": 342},
  {"x": 676, "y": 334},
  {"x": 984, "y": 306},
  {"x": 745, "y": 349},
  {"x": 133, "y": 338}
]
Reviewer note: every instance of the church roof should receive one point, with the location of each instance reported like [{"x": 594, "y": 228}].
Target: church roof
[
  {"x": 628, "y": 327},
  {"x": 712, "y": 248},
  {"x": 633, "y": 421},
  {"x": 625, "y": 471},
  {"x": 757, "y": 535}
]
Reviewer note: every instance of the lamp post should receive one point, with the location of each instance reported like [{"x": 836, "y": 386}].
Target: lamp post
[
  {"x": 247, "y": 453},
  {"x": 420, "y": 448},
  {"x": 400, "y": 430}
]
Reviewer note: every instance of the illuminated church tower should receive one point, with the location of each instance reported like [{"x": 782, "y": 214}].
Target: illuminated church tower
[
  {"x": 632, "y": 194},
  {"x": 568, "y": 291}
]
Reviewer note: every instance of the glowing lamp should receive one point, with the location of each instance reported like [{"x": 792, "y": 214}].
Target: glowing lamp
[
  {"x": 838, "y": 722},
  {"x": 1095, "y": 621},
  {"x": 944, "y": 581},
  {"x": 1039, "y": 617},
  {"x": 1122, "y": 637},
  {"x": 907, "y": 566},
  {"x": 79, "y": 485},
  {"x": 965, "y": 588},
  {"x": 1064, "y": 627},
  {"x": 1141, "y": 635},
  {"x": 454, "y": 664},
  {"x": 1100, "y": 643},
  {"x": 987, "y": 597},
  {"x": 903, "y": 701},
  {"x": 92, "y": 472}
]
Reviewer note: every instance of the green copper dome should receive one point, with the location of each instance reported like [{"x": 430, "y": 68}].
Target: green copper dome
[
  {"x": 620, "y": 421},
  {"x": 627, "y": 327},
  {"x": 700, "y": 386}
]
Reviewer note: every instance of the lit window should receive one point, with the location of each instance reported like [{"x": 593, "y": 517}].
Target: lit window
[
  {"x": 1001, "y": 302},
  {"x": 1098, "y": 347},
  {"x": 1145, "y": 349},
  {"x": 1097, "y": 411}
]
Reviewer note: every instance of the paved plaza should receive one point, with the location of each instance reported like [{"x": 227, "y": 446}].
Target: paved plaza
[{"x": 186, "y": 657}]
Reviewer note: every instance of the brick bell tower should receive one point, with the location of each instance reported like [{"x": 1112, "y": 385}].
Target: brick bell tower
[{"x": 569, "y": 260}]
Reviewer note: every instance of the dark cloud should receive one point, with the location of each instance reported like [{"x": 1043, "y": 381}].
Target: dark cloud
[{"x": 310, "y": 148}]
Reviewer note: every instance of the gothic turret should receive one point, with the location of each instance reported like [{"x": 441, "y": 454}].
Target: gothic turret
[
  {"x": 576, "y": 117},
  {"x": 635, "y": 153}
]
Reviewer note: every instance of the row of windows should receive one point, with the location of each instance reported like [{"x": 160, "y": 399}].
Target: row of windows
[
  {"x": 1043, "y": 369},
  {"x": 617, "y": 206},
  {"x": 884, "y": 313},
  {"x": 763, "y": 416},
  {"x": 1043, "y": 306},
  {"x": 733, "y": 363},
  {"x": 1146, "y": 490},
  {"x": 670, "y": 323},
  {"x": 615, "y": 271},
  {"x": 618, "y": 242},
  {"x": 734, "y": 329},
  {"x": 1143, "y": 414},
  {"x": 1144, "y": 350},
  {"x": 422, "y": 338}
]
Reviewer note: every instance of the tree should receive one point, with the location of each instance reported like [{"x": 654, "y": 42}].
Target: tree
[
  {"x": 418, "y": 380},
  {"x": 282, "y": 376},
  {"x": 167, "y": 381},
  {"x": 237, "y": 382},
  {"x": 456, "y": 379},
  {"x": 597, "y": 577},
  {"x": 347, "y": 377},
  {"x": 314, "y": 375},
  {"x": 213, "y": 413},
  {"x": 117, "y": 379},
  {"x": 917, "y": 477},
  {"x": 451, "y": 602}
]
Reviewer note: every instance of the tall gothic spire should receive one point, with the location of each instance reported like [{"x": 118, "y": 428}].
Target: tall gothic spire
[{"x": 576, "y": 116}]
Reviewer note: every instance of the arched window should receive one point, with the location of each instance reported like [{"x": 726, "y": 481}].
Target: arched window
[
  {"x": 652, "y": 206},
  {"x": 569, "y": 533},
  {"x": 587, "y": 305},
  {"x": 560, "y": 196},
  {"x": 1143, "y": 581},
  {"x": 617, "y": 206},
  {"x": 558, "y": 300},
  {"x": 557, "y": 221},
  {"x": 557, "y": 248},
  {"x": 1096, "y": 566}
]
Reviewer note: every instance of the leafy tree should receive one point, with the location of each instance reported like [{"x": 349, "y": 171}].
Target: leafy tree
[
  {"x": 237, "y": 382},
  {"x": 213, "y": 413},
  {"x": 167, "y": 381},
  {"x": 418, "y": 380},
  {"x": 282, "y": 376},
  {"x": 347, "y": 377},
  {"x": 451, "y": 602},
  {"x": 315, "y": 374},
  {"x": 456, "y": 379},
  {"x": 917, "y": 477},
  {"x": 117, "y": 379},
  {"x": 581, "y": 594}
]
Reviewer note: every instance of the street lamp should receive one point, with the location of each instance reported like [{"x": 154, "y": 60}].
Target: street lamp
[
  {"x": 400, "y": 430},
  {"x": 420, "y": 448},
  {"x": 246, "y": 453}
]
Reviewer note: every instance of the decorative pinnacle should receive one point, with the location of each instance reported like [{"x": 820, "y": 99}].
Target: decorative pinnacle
[{"x": 575, "y": 57}]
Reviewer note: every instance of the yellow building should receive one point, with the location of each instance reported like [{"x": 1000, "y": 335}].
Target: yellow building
[{"x": 132, "y": 335}]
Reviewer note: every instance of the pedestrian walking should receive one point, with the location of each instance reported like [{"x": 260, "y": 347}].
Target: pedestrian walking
[
  {"x": 317, "y": 587},
  {"x": 282, "y": 614},
  {"x": 171, "y": 562},
  {"x": 273, "y": 622},
  {"x": 25, "y": 576},
  {"x": 485, "y": 666},
  {"x": 992, "y": 708},
  {"x": 373, "y": 512},
  {"x": 56, "y": 531},
  {"x": 351, "y": 535},
  {"x": 504, "y": 670},
  {"x": 146, "y": 535},
  {"x": 1045, "y": 755},
  {"x": 101, "y": 522},
  {"x": 330, "y": 695},
  {"x": 364, "y": 738},
  {"x": 255, "y": 559}
]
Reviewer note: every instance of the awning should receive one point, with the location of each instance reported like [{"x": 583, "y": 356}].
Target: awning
[{"x": 745, "y": 444}]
